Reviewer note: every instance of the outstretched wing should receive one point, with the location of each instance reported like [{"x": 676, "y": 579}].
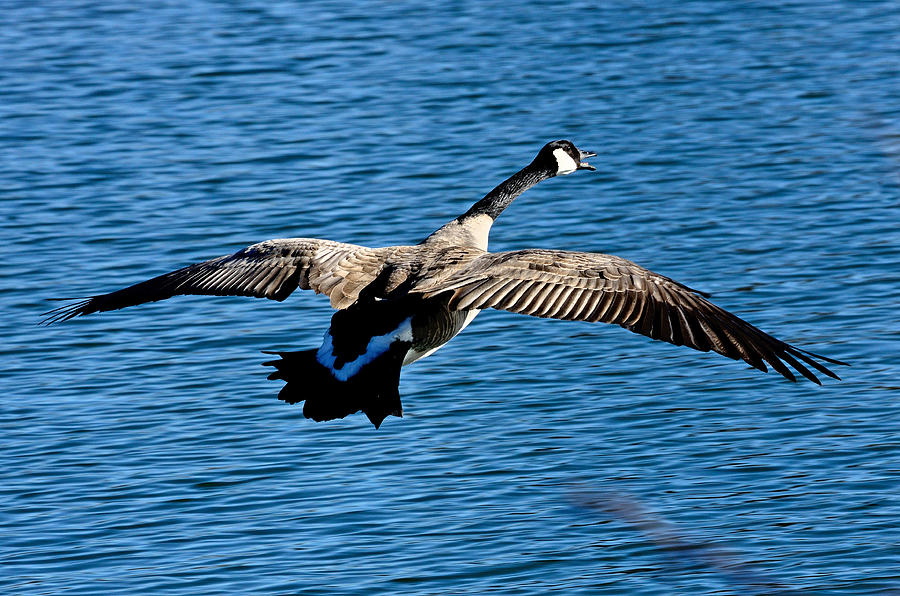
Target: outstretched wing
[
  {"x": 271, "y": 269},
  {"x": 596, "y": 287}
]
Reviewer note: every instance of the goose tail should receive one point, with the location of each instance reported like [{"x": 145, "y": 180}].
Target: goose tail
[{"x": 374, "y": 390}]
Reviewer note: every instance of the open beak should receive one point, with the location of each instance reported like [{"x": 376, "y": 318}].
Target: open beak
[{"x": 583, "y": 155}]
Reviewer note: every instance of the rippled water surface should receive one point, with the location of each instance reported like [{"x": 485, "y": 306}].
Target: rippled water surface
[{"x": 746, "y": 149}]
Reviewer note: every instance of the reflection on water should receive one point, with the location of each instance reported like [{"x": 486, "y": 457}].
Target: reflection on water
[{"x": 682, "y": 550}]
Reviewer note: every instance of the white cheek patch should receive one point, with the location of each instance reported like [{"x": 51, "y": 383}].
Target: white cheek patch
[
  {"x": 377, "y": 346},
  {"x": 564, "y": 162}
]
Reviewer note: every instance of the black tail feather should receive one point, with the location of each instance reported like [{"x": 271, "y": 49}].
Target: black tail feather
[{"x": 374, "y": 389}]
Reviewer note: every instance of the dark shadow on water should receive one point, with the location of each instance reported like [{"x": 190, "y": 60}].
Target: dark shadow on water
[{"x": 678, "y": 548}]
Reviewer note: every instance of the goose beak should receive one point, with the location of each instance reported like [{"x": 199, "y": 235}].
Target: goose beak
[{"x": 583, "y": 155}]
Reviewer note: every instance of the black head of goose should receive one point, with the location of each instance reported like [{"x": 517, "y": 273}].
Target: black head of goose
[
  {"x": 557, "y": 158},
  {"x": 400, "y": 303}
]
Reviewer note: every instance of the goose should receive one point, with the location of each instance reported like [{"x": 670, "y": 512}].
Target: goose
[{"x": 397, "y": 304}]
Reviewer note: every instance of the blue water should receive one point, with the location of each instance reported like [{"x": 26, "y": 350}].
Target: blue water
[{"x": 751, "y": 150}]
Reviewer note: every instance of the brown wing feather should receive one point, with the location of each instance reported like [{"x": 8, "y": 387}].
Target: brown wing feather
[
  {"x": 596, "y": 287},
  {"x": 271, "y": 269}
]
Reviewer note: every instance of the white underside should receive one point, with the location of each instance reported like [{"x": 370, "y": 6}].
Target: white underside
[
  {"x": 377, "y": 346},
  {"x": 413, "y": 355}
]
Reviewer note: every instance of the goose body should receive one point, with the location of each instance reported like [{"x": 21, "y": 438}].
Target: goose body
[{"x": 398, "y": 304}]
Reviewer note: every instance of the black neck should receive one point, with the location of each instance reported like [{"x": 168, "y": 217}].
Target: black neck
[{"x": 499, "y": 199}]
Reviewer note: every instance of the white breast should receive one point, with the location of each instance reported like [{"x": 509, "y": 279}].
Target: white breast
[{"x": 480, "y": 226}]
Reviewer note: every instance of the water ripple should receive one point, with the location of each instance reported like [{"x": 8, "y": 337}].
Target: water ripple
[{"x": 749, "y": 152}]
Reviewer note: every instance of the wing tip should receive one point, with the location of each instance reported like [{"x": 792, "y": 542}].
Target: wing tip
[
  {"x": 825, "y": 358},
  {"x": 797, "y": 358},
  {"x": 66, "y": 311},
  {"x": 810, "y": 358}
]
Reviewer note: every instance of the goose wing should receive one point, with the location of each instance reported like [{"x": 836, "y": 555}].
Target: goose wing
[
  {"x": 271, "y": 269},
  {"x": 596, "y": 287}
]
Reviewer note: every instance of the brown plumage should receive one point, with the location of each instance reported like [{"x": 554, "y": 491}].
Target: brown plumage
[
  {"x": 578, "y": 286},
  {"x": 418, "y": 297},
  {"x": 272, "y": 269}
]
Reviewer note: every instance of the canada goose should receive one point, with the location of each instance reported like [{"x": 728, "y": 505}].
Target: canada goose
[{"x": 400, "y": 303}]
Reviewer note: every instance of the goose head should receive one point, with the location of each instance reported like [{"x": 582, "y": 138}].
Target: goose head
[{"x": 562, "y": 157}]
